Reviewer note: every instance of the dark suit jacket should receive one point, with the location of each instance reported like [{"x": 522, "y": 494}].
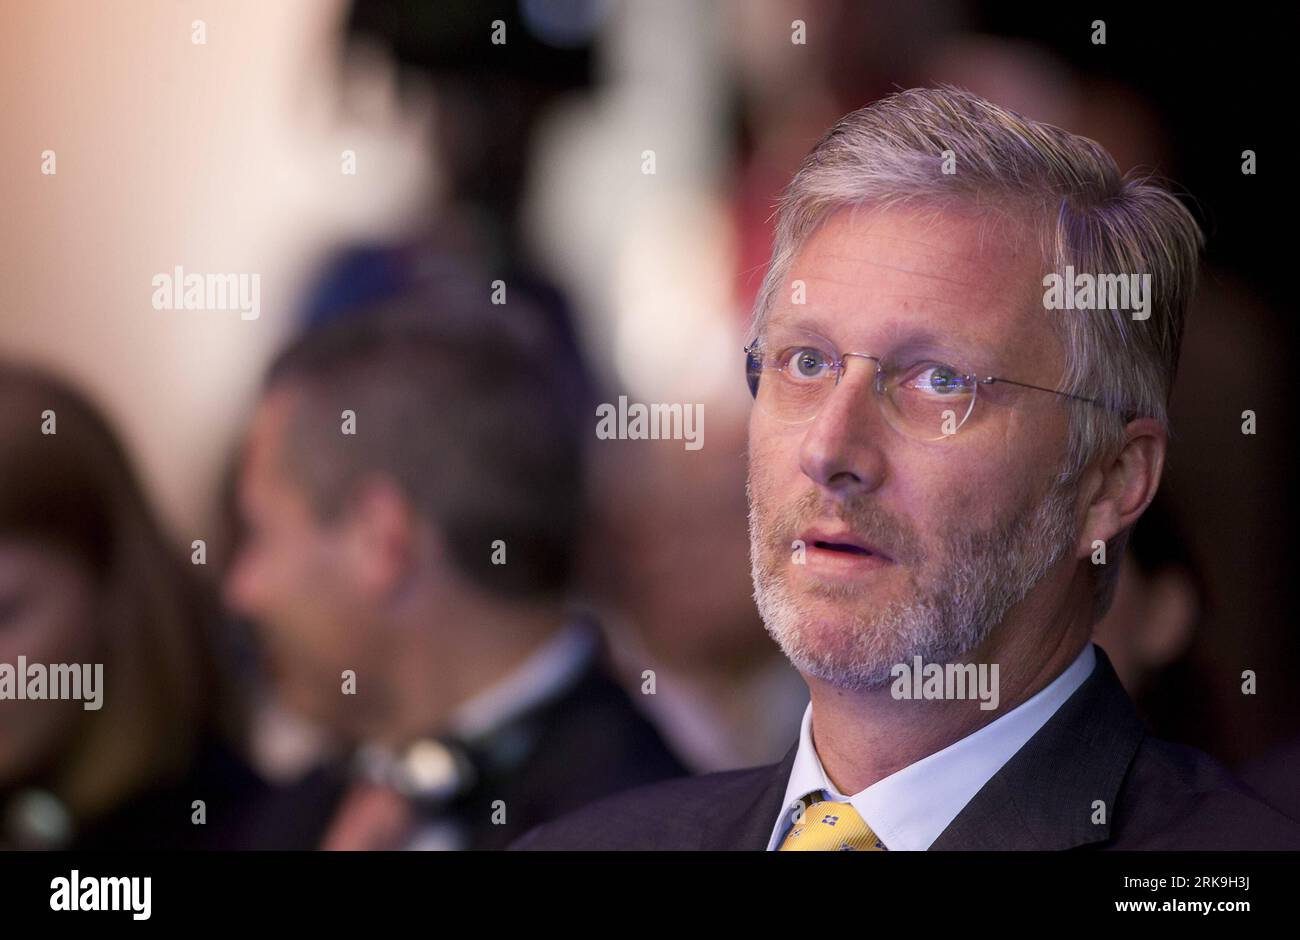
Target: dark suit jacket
[
  {"x": 1276, "y": 777},
  {"x": 582, "y": 745},
  {"x": 1157, "y": 796},
  {"x": 161, "y": 815}
]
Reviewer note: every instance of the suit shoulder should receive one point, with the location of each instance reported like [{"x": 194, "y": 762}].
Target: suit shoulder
[
  {"x": 1179, "y": 798},
  {"x": 663, "y": 815}
]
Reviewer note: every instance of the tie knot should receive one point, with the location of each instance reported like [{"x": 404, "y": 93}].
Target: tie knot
[{"x": 822, "y": 824}]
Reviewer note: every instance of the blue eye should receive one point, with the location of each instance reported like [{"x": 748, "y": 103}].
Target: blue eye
[
  {"x": 938, "y": 379},
  {"x": 806, "y": 362}
]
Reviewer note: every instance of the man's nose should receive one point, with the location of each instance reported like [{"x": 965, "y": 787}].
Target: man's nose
[{"x": 841, "y": 450}]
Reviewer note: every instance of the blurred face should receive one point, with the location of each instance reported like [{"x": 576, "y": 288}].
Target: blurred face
[
  {"x": 294, "y": 578},
  {"x": 868, "y": 546},
  {"x": 47, "y": 608},
  {"x": 1151, "y": 621}
]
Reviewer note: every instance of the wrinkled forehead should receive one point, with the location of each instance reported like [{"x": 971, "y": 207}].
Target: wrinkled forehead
[{"x": 876, "y": 278}]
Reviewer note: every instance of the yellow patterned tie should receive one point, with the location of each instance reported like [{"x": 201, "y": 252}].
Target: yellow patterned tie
[{"x": 828, "y": 826}]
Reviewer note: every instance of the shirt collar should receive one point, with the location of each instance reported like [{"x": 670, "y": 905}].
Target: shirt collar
[
  {"x": 548, "y": 671},
  {"x": 911, "y": 807}
]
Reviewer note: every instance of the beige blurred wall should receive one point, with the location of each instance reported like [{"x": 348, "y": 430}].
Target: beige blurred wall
[{"x": 220, "y": 157}]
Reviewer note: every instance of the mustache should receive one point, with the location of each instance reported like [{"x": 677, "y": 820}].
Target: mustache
[{"x": 893, "y": 534}]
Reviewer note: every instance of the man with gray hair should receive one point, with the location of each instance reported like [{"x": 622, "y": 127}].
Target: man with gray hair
[{"x": 944, "y": 465}]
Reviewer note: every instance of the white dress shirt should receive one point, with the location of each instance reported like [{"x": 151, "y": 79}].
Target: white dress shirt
[{"x": 911, "y": 807}]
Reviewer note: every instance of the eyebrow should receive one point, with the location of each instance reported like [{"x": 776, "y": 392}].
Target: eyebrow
[{"x": 906, "y": 337}]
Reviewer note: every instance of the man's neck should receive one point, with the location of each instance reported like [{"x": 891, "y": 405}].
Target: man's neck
[
  {"x": 456, "y": 651},
  {"x": 863, "y": 737}
]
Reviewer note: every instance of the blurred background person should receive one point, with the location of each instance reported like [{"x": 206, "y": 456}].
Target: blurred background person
[
  {"x": 428, "y": 555},
  {"x": 1153, "y": 619},
  {"x": 657, "y": 522},
  {"x": 87, "y": 577}
]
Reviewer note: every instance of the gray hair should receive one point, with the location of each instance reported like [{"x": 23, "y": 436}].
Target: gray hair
[{"x": 1070, "y": 192}]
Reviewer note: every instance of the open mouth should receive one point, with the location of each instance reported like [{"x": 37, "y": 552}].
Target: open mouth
[
  {"x": 832, "y": 543},
  {"x": 842, "y": 547}
]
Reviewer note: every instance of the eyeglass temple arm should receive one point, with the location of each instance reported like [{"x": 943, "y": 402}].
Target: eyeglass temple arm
[{"x": 989, "y": 380}]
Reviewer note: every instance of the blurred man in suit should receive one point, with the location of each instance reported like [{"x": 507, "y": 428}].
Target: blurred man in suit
[
  {"x": 410, "y": 496},
  {"x": 945, "y": 459}
]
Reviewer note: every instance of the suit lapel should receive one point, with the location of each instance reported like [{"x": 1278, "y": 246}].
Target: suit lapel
[
  {"x": 749, "y": 825},
  {"x": 1045, "y": 796}
]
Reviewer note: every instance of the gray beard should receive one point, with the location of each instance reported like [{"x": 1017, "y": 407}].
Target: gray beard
[{"x": 984, "y": 574}]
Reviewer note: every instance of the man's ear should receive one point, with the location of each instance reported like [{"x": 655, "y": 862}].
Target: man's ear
[
  {"x": 1123, "y": 486},
  {"x": 380, "y": 535}
]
